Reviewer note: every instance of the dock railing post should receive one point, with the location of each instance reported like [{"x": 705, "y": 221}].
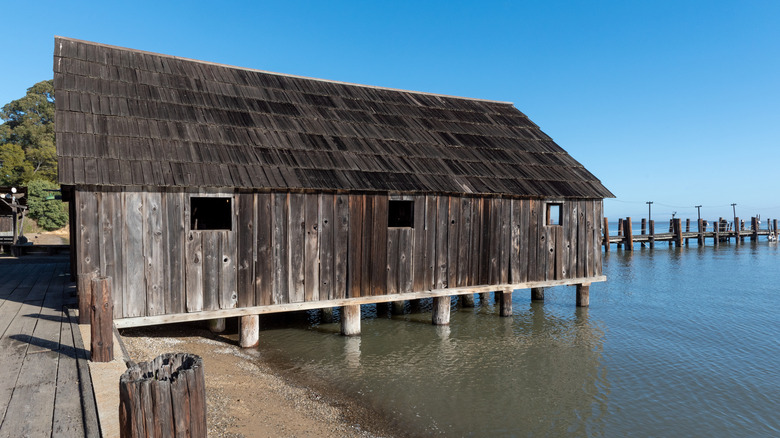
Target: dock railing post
[
  {"x": 629, "y": 234},
  {"x": 651, "y": 239},
  {"x": 606, "y": 234}
]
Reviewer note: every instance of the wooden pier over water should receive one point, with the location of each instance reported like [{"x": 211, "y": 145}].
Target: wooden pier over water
[{"x": 678, "y": 235}]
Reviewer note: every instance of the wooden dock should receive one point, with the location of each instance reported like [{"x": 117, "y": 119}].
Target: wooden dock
[
  {"x": 718, "y": 232},
  {"x": 43, "y": 371}
]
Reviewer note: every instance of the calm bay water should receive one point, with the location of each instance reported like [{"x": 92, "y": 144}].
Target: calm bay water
[{"x": 677, "y": 342}]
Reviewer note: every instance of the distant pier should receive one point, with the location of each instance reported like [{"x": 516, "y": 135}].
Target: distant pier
[{"x": 679, "y": 234}]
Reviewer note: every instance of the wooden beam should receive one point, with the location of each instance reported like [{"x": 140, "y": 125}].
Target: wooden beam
[{"x": 293, "y": 307}]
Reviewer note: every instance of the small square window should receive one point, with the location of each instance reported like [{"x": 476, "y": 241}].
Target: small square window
[
  {"x": 211, "y": 213},
  {"x": 554, "y": 214},
  {"x": 400, "y": 214}
]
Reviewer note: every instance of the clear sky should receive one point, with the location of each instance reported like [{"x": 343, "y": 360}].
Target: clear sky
[{"x": 675, "y": 102}]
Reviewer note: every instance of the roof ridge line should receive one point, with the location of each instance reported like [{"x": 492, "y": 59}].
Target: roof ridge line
[{"x": 353, "y": 84}]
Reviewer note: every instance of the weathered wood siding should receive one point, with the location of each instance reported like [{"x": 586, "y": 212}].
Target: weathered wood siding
[{"x": 295, "y": 247}]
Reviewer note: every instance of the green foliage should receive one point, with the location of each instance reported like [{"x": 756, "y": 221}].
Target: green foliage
[
  {"x": 50, "y": 214},
  {"x": 27, "y": 146}
]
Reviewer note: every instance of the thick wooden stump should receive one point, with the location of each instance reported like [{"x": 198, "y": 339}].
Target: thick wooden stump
[
  {"x": 84, "y": 287},
  {"x": 583, "y": 295},
  {"x": 102, "y": 321},
  {"x": 467, "y": 300},
  {"x": 217, "y": 325},
  {"x": 537, "y": 294},
  {"x": 398, "y": 307},
  {"x": 350, "y": 320},
  {"x": 249, "y": 336},
  {"x": 163, "y": 397},
  {"x": 505, "y": 305},
  {"x": 484, "y": 298},
  {"x": 441, "y": 310}
]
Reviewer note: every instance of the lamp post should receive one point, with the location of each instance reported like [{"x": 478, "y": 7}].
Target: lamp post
[
  {"x": 698, "y": 210},
  {"x": 649, "y": 211}
]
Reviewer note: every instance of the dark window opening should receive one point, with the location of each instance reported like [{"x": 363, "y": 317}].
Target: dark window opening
[
  {"x": 401, "y": 214},
  {"x": 554, "y": 214},
  {"x": 211, "y": 214}
]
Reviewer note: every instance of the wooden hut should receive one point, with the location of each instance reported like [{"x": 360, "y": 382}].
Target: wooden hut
[{"x": 208, "y": 191}]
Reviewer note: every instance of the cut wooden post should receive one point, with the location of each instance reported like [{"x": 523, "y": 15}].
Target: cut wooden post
[
  {"x": 84, "y": 287},
  {"x": 736, "y": 230},
  {"x": 163, "y": 397},
  {"x": 217, "y": 325},
  {"x": 102, "y": 321},
  {"x": 754, "y": 229},
  {"x": 250, "y": 331},
  {"x": 441, "y": 310},
  {"x": 677, "y": 230},
  {"x": 774, "y": 227},
  {"x": 537, "y": 294},
  {"x": 505, "y": 303},
  {"x": 326, "y": 315},
  {"x": 350, "y": 320},
  {"x": 467, "y": 300},
  {"x": 701, "y": 232},
  {"x": 606, "y": 234},
  {"x": 398, "y": 307},
  {"x": 620, "y": 234},
  {"x": 687, "y": 229},
  {"x": 629, "y": 234},
  {"x": 583, "y": 295},
  {"x": 484, "y": 297},
  {"x": 644, "y": 226},
  {"x": 651, "y": 239},
  {"x": 415, "y": 305}
]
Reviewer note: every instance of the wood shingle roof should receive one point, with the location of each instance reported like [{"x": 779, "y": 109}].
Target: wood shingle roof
[{"x": 126, "y": 117}]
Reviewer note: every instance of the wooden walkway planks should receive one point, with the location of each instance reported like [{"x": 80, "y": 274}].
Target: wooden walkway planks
[{"x": 40, "y": 381}]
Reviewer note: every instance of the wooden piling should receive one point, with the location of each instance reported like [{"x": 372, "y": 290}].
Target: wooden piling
[
  {"x": 736, "y": 231},
  {"x": 398, "y": 307},
  {"x": 774, "y": 226},
  {"x": 677, "y": 230},
  {"x": 651, "y": 239},
  {"x": 441, "y": 310},
  {"x": 350, "y": 320},
  {"x": 620, "y": 233},
  {"x": 606, "y": 234},
  {"x": 629, "y": 234},
  {"x": 583, "y": 295},
  {"x": 102, "y": 321},
  {"x": 537, "y": 294},
  {"x": 687, "y": 229},
  {"x": 644, "y": 226},
  {"x": 484, "y": 297},
  {"x": 84, "y": 287},
  {"x": 701, "y": 232},
  {"x": 505, "y": 303},
  {"x": 717, "y": 231},
  {"x": 217, "y": 325},
  {"x": 326, "y": 315},
  {"x": 249, "y": 336},
  {"x": 754, "y": 229},
  {"x": 467, "y": 300}
]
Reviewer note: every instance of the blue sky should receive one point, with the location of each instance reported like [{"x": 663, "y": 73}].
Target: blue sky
[{"x": 675, "y": 102}]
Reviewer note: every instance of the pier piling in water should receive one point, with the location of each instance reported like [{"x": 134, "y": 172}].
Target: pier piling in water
[
  {"x": 441, "y": 310},
  {"x": 350, "y": 320},
  {"x": 249, "y": 336}
]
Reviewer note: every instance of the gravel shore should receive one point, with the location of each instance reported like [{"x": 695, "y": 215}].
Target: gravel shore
[{"x": 246, "y": 398}]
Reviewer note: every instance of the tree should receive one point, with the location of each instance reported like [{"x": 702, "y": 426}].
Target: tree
[
  {"x": 49, "y": 213},
  {"x": 27, "y": 146}
]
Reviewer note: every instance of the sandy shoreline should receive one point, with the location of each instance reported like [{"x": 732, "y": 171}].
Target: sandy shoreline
[{"x": 246, "y": 397}]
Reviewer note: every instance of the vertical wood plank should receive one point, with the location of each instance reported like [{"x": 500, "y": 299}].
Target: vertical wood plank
[
  {"x": 194, "y": 271},
  {"x": 515, "y": 206},
  {"x": 464, "y": 242},
  {"x": 340, "y": 246},
  {"x": 111, "y": 264},
  {"x": 478, "y": 243},
  {"x": 280, "y": 244},
  {"x": 565, "y": 246},
  {"x": 379, "y": 246},
  {"x": 355, "y": 254},
  {"x": 493, "y": 271},
  {"x": 296, "y": 232},
  {"x": 393, "y": 237},
  {"x": 368, "y": 237},
  {"x": 211, "y": 269},
  {"x": 441, "y": 240},
  {"x": 89, "y": 239},
  {"x": 153, "y": 253},
  {"x": 405, "y": 241},
  {"x": 418, "y": 252},
  {"x": 174, "y": 207},
  {"x": 326, "y": 246},
  {"x": 135, "y": 283},
  {"x": 247, "y": 237},
  {"x": 312, "y": 254},
  {"x": 264, "y": 264},
  {"x": 228, "y": 273},
  {"x": 590, "y": 237},
  {"x": 505, "y": 241},
  {"x": 430, "y": 243},
  {"x": 453, "y": 235},
  {"x": 582, "y": 239}
]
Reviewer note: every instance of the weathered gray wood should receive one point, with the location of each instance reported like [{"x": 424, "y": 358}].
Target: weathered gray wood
[
  {"x": 102, "y": 321},
  {"x": 453, "y": 234},
  {"x": 217, "y": 325},
  {"x": 296, "y": 249},
  {"x": 379, "y": 246},
  {"x": 467, "y": 300},
  {"x": 211, "y": 269},
  {"x": 68, "y": 419},
  {"x": 153, "y": 253},
  {"x": 85, "y": 296},
  {"x": 464, "y": 242},
  {"x": 393, "y": 236},
  {"x": 264, "y": 266},
  {"x": 537, "y": 294},
  {"x": 405, "y": 242},
  {"x": 367, "y": 239},
  {"x": 134, "y": 299},
  {"x": 505, "y": 240},
  {"x": 418, "y": 256},
  {"x": 111, "y": 253},
  {"x": 355, "y": 254},
  {"x": 583, "y": 295},
  {"x": 441, "y": 310},
  {"x": 174, "y": 205},
  {"x": 228, "y": 271},
  {"x": 194, "y": 271},
  {"x": 441, "y": 239},
  {"x": 628, "y": 231},
  {"x": 505, "y": 303},
  {"x": 326, "y": 242},
  {"x": 88, "y": 234},
  {"x": 247, "y": 236},
  {"x": 606, "y": 235},
  {"x": 350, "y": 320},
  {"x": 312, "y": 249},
  {"x": 340, "y": 246},
  {"x": 280, "y": 247},
  {"x": 429, "y": 264}
]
